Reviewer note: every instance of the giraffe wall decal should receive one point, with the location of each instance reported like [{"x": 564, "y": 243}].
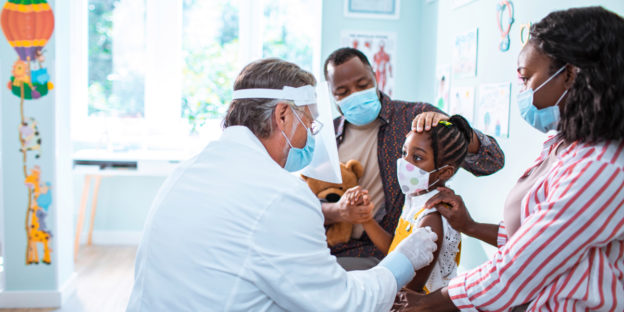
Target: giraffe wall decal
[
  {"x": 37, "y": 232},
  {"x": 28, "y": 25}
]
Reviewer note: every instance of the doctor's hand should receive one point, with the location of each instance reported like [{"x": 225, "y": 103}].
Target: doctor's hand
[
  {"x": 355, "y": 206},
  {"x": 427, "y": 120},
  {"x": 451, "y": 206},
  {"x": 418, "y": 247}
]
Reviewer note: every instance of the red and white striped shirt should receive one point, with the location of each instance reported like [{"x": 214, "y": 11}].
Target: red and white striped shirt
[{"x": 568, "y": 253}]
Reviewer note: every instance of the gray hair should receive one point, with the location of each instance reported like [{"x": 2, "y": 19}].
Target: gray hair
[{"x": 271, "y": 73}]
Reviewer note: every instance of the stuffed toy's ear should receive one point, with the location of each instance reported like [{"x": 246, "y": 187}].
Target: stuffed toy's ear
[
  {"x": 304, "y": 178},
  {"x": 356, "y": 167}
]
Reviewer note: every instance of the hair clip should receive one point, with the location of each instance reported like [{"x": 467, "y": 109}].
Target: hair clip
[{"x": 444, "y": 122}]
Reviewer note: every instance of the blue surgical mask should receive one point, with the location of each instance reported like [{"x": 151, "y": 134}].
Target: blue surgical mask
[
  {"x": 299, "y": 158},
  {"x": 361, "y": 108},
  {"x": 544, "y": 119}
]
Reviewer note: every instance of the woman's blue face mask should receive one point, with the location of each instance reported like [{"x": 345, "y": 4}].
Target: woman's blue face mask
[
  {"x": 361, "y": 108},
  {"x": 544, "y": 119}
]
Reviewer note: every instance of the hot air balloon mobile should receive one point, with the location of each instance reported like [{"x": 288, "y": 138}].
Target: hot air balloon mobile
[{"x": 28, "y": 25}]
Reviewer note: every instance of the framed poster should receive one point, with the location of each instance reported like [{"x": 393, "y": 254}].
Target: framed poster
[
  {"x": 462, "y": 102},
  {"x": 380, "y": 49},
  {"x": 458, "y": 3},
  {"x": 443, "y": 87},
  {"x": 493, "y": 109},
  {"x": 388, "y": 9},
  {"x": 465, "y": 54}
]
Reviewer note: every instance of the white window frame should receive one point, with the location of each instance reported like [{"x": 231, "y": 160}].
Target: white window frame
[{"x": 163, "y": 78}]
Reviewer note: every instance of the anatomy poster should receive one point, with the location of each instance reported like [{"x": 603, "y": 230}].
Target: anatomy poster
[
  {"x": 462, "y": 102},
  {"x": 493, "y": 109},
  {"x": 380, "y": 49},
  {"x": 465, "y": 55}
]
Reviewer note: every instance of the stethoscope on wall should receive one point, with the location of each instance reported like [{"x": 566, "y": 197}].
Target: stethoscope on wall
[{"x": 500, "y": 10}]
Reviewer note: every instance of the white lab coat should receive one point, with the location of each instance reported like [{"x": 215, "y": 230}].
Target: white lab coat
[{"x": 230, "y": 230}]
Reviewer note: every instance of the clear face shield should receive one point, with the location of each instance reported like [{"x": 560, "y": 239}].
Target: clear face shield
[{"x": 325, "y": 165}]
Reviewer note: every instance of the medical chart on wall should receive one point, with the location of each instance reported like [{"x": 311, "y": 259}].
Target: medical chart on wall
[
  {"x": 380, "y": 49},
  {"x": 465, "y": 54},
  {"x": 443, "y": 87},
  {"x": 493, "y": 109},
  {"x": 462, "y": 102},
  {"x": 372, "y": 8}
]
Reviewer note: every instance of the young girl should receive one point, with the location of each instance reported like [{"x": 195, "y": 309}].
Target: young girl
[{"x": 429, "y": 160}]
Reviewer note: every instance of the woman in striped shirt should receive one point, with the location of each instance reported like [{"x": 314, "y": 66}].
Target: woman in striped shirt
[{"x": 561, "y": 245}]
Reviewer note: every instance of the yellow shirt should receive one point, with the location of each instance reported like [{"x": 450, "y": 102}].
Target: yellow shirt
[
  {"x": 412, "y": 209},
  {"x": 445, "y": 266}
]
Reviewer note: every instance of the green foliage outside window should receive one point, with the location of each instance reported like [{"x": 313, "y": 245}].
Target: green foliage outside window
[
  {"x": 209, "y": 64},
  {"x": 110, "y": 93},
  {"x": 210, "y": 56}
]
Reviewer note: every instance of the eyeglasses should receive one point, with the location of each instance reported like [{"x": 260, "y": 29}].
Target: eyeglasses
[{"x": 315, "y": 125}]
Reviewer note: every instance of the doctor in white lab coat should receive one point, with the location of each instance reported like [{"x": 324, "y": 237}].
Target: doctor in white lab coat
[{"x": 232, "y": 230}]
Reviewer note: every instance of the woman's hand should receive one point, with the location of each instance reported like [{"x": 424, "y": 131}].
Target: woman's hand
[{"x": 452, "y": 207}]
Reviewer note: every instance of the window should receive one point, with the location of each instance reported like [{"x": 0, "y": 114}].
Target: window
[
  {"x": 116, "y": 71},
  {"x": 161, "y": 72},
  {"x": 210, "y": 44},
  {"x": 288, "y": 33}
]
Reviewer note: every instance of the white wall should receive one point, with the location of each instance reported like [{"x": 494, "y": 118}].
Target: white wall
[
  {"x": 1, "y": 194},
  {"x": 425, "y": 32},
  {"x": 485, "y": 196},
  {"x": 414, "y": 26},
  {"x": 37, "y": 285}
]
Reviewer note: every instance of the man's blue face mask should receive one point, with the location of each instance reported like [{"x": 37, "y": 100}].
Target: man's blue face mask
[
  {"x": 299, "y": 158},
  {"x": 361, "y": 108},
  {"x": 544, "y": 119}
]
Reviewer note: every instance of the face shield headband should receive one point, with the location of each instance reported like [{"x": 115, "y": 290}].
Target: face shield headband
[
  {"x": 325, "y": 165},
  {"x": 301, "y": 96}
]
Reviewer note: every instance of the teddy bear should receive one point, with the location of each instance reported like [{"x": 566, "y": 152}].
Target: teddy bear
[{"x": 351, "y": 172}]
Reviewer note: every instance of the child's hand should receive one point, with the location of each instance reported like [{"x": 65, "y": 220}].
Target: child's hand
[
  {"x": 357, "y": 196},
  {"x": 355, "y": 206}
]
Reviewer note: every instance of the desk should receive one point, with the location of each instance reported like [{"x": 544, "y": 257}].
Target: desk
[{"x": 96, "y": 164}]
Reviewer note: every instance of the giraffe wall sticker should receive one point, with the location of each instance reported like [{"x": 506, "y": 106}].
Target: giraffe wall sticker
[{"x": 28, "y": 25}]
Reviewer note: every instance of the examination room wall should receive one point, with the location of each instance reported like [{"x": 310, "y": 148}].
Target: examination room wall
[
  {"x": 123, "y": 202},
  {"x": 485, "y": 196},
  {"x": 425, "y": 33},
  {"x": 51, "y": 114}
]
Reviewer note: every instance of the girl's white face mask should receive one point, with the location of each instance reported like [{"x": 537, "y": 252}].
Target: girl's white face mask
[{"x": 413, "y": 179}]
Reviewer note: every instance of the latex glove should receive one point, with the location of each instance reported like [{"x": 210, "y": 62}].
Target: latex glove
[{"x": 418, "y": 247}]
